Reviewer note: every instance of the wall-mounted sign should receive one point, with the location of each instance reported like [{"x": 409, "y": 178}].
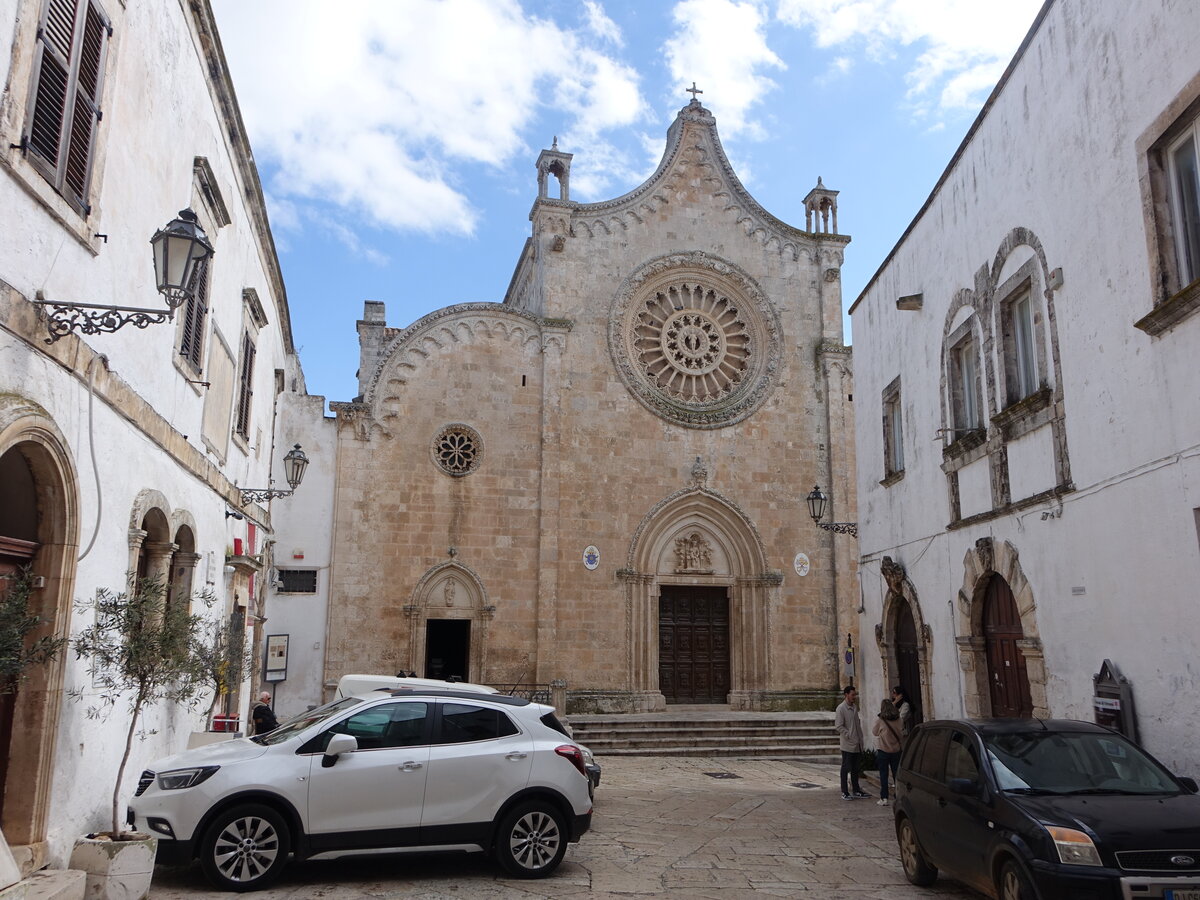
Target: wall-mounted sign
[
  {"x": 591, "y": 558},
  {"x": 1112, "y": 700},
  {"x": 801, "y": 564},
  {"x": 276, "y": 658}
]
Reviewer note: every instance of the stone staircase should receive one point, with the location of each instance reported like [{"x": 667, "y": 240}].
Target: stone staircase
[{"x": 710, "y": 731}]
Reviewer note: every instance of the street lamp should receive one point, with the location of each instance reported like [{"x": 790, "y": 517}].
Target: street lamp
[
  {"x": 817, "y": 501},
  {"x": 294, "y": 464},
  {"x": 178, "y": 247}
]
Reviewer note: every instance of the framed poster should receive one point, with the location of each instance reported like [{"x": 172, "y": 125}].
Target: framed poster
[{"x": 276, "y": 658}]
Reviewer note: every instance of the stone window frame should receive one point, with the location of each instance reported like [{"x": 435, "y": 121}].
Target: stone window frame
[
  {"x": 1023, "y": 284},
  {"x": 477, "y": 449},
  {"x": 193, "y": 320},
  {"x": 893, "y": 433},
  {"x": 1172, "y": 301},
  {"x": 963, "y": 341}
]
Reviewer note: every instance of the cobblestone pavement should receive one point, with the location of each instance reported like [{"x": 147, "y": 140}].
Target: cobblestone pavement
[{"x": 661, "y": 828}]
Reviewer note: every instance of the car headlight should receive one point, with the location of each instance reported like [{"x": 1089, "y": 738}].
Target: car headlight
[
  {"x": 177, "y": 779},
  {"x": 1074, "y": 847}
]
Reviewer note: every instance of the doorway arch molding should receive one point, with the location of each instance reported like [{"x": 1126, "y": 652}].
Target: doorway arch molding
[
  {"x": 450, "y": 590},
  {"x": 733, "y": 557},
  {"x": 28, "y": 429},
  {"x": 901, "y": 593},
  {"x": 981, "y": 562}
]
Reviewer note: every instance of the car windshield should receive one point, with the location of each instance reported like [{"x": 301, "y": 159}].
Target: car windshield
[
  {"x": 304, "y": 721},
  {"x": 1059, "y": 762}
]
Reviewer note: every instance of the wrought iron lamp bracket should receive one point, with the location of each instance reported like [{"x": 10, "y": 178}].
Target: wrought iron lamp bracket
[
  {"x": 94, "y": 318},
  {"x": 262, "y": 495},
  {"x": 850, "y": 528}
]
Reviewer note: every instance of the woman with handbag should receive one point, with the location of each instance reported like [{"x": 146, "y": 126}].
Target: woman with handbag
[{"x": 887, "y": 750}]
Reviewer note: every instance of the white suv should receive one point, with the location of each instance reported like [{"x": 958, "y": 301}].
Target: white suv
[{"x": 395, "y": 769}]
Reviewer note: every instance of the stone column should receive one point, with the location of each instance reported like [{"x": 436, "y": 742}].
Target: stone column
[{"x": 554, "y": 339}]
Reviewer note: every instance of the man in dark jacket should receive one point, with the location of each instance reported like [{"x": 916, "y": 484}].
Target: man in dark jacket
[{"x": 262, "y": 715}]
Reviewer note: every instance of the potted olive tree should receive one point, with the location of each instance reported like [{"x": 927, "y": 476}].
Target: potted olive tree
[{"x": 141, "y": 650}]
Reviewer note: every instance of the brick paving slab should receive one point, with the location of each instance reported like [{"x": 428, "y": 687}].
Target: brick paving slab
[{"x": 662, "y": 828}]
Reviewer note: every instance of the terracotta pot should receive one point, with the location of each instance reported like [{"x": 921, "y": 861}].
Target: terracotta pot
[{"x": 116, "y": 870}]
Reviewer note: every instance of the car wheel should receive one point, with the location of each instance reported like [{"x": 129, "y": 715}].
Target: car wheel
[
  {"x": 917, "y": 869},
  {"x": 531, "y": 840},
  {"x": 1014, "y": 884},
  {"x": 245, "y": 848}
]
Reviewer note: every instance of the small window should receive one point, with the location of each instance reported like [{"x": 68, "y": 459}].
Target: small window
[
  {"x": 1020, "y": 349},
  {"x": 1183, "y": 161},
  {"x": 964, "y": 386},
  {"x": 933, "y": 754},
  {"x": 297, "y": 581},
  {"x": 462, "y": 724},
  {"x": 893, "y": 430},
  {"x": 245, "y": 387},
  {"x": 64, "y": 104},
  {"x": 961, "y": 759}
]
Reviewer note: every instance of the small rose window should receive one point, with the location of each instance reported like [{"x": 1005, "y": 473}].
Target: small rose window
[{"x": 457, "y": 450}]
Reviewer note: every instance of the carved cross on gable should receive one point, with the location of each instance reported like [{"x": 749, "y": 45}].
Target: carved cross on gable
[{"x": 693, "y": 90}]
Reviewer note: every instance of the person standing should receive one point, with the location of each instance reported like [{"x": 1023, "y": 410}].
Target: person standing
[
  {"x": 850, "y": 738},
  {"x": 887, "y": 749},
  {"x": 262, "y": 715},
  {"x": 900, "y": 701}
]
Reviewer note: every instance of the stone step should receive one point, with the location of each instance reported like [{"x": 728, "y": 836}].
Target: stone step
[
  {"x": 826, "y": 755},
  {"x": 55, "y": 884},
  {"x": 707, "y": 731}
]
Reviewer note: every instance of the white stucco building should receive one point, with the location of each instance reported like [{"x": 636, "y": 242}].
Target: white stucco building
[
  {"x": 127, "y": 450},
  {"x": 1028, "y": 412}
]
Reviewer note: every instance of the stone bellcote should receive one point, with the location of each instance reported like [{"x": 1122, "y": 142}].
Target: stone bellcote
[
  {"x": 820, "y": 207},
  {"x": 554, "y": 162}
]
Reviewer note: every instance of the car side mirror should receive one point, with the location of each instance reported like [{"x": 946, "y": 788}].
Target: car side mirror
[
  {"x": 1189, "y": 783},
  {"x": 338, "y": 744},
  {"x": 968, "y": 787}
]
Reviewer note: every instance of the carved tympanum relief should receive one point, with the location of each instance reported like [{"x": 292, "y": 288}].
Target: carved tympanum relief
[{"x": 693, "y": 555}]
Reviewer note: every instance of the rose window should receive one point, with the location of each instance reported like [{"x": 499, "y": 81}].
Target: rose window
[
  {"x": 692, "y": 343},
  {"x": 457, "y": 450}
]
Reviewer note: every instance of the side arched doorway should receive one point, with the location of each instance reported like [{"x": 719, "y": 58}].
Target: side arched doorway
[
  {"x": 1008, "y": 678},
  {"x": 908, "y": 659},
  {"x": 38, "y": 529}
]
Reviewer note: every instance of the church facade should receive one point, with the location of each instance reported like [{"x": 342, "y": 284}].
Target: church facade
[{"x": 601, "y": 480}]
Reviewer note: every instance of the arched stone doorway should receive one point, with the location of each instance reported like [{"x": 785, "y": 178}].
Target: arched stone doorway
[
  {"x": 994, "y": 585},
  {"x": 903, "y": 639},
  {"x": 696, "y": 566},
  {"x": 1002, "y": 634},
  {"x": 450, "y": 615},
  {"x": 39, "y": 524}
]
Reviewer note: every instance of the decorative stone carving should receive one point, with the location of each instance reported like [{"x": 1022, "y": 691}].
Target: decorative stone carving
[
  {"x": 985, "y": 554},
  {"x": 832, "y": 275},
  {"x": 448, "y": 591},
  {"x": 699, "y": 473},
  {"x": 695, "y": 340},
  {"x": 894, "y": 574},
  {"x": 457, "y": 450},
  {"x": 693, "y": 555}
]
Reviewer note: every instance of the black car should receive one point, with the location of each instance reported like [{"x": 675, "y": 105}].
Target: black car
[{"x": 1052, "y": 809}]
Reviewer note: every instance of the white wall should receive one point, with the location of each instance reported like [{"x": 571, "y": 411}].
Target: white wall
[{"x": 1056, "y": 154}]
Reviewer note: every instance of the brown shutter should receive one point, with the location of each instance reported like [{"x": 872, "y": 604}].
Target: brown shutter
[
  {"x": 65, "y": 96},
  {"x": 191, "y": 344},
  {"x": 245, "y": 394}
]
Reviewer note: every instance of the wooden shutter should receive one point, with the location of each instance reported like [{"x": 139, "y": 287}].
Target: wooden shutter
[
  {"x": 60, "y": 136},
  {"x": 244, "y": 392},
  {"x": 191, "y": 343}
]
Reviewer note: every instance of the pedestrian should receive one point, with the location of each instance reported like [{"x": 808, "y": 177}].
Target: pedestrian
[
  {"x": 262, "y": 715},
  {"x": 850, "y": 738},
  {"x": 887, "y": 746},
  {"x": 900, "y": 700}
]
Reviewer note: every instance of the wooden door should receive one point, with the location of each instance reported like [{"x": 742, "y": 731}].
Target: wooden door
[
  {"x": 14, "y": 554},
  {"x": 1002, "y": 629},
  {"x": 908, "y": 667},
  {"x": 693, "y": 644}
]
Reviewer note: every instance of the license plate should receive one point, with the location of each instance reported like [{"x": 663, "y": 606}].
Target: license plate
[{"x": 1188, "y": 894}]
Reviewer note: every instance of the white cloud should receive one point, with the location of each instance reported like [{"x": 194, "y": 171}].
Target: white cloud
[
  {"x": 600, "y": 24},
  {"x": 966, "y": 44},
  {"x": 721, "y": 45},
  {"x": 374, "y": 107}
]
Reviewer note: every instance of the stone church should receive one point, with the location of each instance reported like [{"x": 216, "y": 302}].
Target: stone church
[{"x": 601, "y": 480}]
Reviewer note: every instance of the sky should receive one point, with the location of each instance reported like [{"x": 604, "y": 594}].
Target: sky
[{"x": 396, "y": 139}]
